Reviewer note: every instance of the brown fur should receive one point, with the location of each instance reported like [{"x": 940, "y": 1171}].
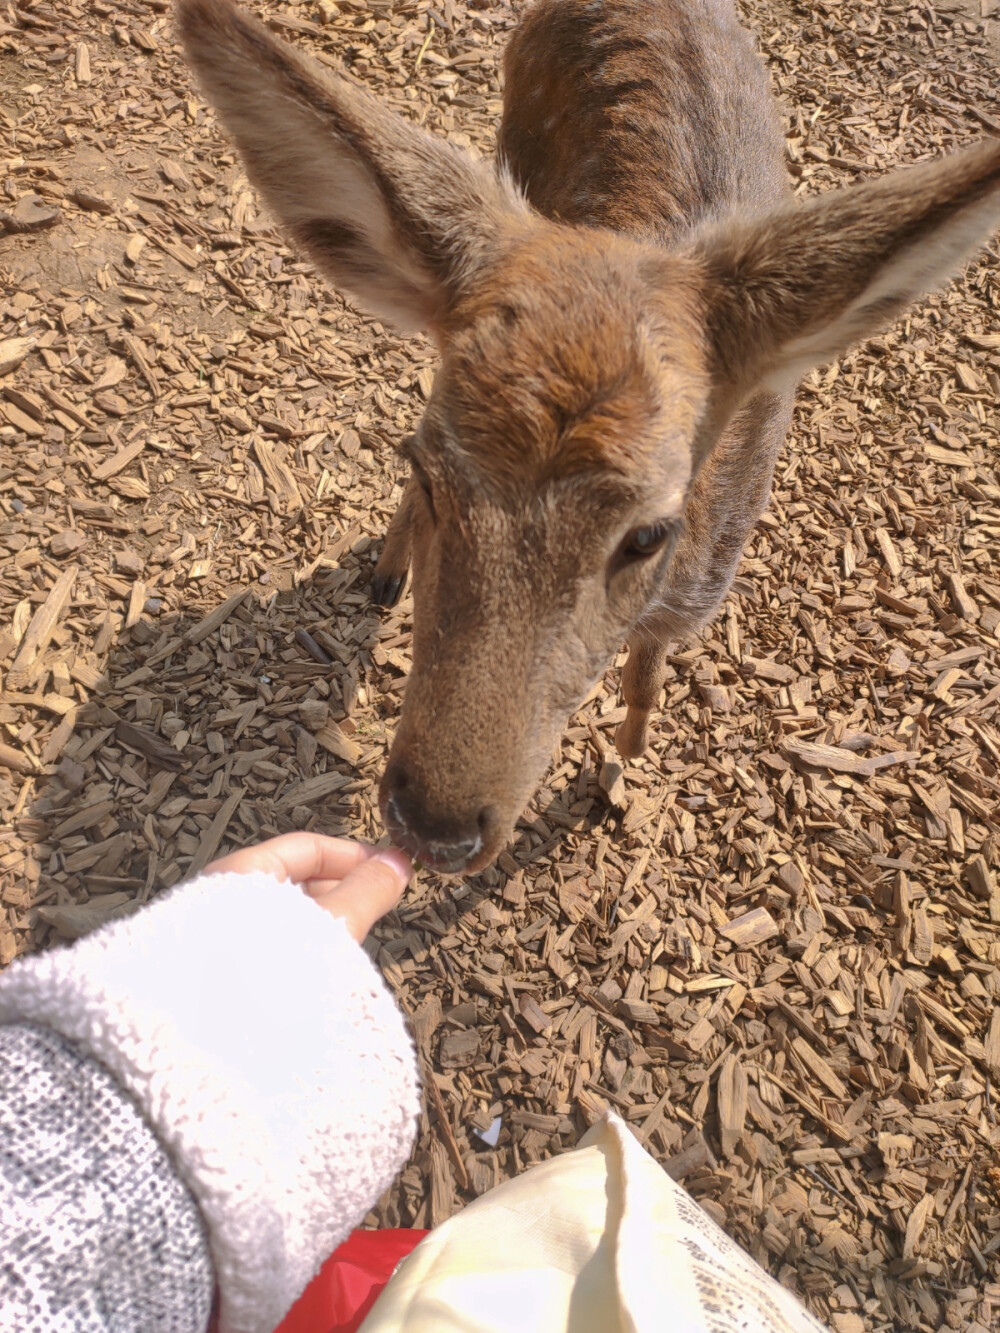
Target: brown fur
[
  {"x": 618, "y": 352},
  {"x": 550, "y": 345},
  {"x": 634, "y": 116}
]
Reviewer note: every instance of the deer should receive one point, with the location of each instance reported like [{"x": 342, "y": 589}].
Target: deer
[{"x": 623, "y": 301}]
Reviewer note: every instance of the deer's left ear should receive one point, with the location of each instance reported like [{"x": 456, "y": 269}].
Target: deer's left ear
[{"x": 793, "y": 289}]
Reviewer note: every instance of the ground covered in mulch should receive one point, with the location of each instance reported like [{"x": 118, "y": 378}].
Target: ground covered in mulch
[{"x": 774, "y": 943}]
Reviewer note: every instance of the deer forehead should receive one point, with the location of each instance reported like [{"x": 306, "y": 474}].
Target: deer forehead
[{"x": 584, "y": 369}]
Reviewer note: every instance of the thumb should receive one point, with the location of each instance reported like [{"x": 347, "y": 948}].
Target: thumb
[{"x": 369, "y": 890}]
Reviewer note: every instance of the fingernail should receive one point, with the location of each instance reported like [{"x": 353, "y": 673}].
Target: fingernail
[{"x": 397, "y": 858}]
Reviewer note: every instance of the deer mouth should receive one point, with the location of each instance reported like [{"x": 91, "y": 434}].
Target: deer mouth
[{"x": 444, "y": 855}]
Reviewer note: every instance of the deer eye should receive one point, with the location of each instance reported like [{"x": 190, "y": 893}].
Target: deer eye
[{"x": 641, "y": 543}]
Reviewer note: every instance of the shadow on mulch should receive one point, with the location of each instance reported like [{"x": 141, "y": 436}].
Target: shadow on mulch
[{"x": 227, "y": 717}]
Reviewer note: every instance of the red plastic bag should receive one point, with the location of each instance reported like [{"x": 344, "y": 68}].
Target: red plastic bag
[{"x": 349, "y": 1283}]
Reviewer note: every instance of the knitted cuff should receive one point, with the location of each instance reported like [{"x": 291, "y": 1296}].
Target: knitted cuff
[{"x": 266, "y": 1052}]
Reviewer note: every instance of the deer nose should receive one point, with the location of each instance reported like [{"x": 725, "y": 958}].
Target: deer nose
[{"x": 445, "y": 842}]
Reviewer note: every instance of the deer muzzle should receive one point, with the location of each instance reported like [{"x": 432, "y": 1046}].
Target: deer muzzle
[{"x": 462, "y": 840}]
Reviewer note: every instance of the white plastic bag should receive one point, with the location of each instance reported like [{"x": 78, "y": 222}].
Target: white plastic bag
[{"x": 597, "y": 1240}]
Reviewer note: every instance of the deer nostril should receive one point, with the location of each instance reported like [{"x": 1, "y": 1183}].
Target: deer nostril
[{"x": 396, "y": 778}]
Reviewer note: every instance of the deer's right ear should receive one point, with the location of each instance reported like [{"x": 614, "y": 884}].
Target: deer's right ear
[
  {"x": 393, "y": 214},
  {"x": 791, "y": 290}
]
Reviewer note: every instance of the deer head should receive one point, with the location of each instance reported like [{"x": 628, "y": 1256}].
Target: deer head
[{"x": 585, "y": 377}]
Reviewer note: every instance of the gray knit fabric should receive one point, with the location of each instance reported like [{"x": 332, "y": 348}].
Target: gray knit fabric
[
  {"x": 264, "y": 1050},
  {"x": 97, "y": 1233}
]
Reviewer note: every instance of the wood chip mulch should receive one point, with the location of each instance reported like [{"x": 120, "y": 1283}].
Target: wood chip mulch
[{"x": 773, "y": 944}]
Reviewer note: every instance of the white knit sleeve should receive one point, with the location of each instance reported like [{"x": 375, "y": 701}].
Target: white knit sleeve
[{"x": 266, "y": 1052}]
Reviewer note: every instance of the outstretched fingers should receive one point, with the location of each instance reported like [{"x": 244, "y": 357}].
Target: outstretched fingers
[
  {"x": 352, "y": 880},
  {"x": 306, "y": 858}
]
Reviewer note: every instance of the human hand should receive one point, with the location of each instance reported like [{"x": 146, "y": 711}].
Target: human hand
[{"x": 347, "y": 879}]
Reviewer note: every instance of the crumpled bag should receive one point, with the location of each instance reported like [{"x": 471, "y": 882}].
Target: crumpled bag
[{"x": 596, "y": 1240}]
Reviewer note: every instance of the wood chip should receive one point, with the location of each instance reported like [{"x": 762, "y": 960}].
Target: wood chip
[
  {"x": 13, "y": 351},
  {"x": 845, "y": 761},
  {"x": 82, "y": 67},
  {"x": 119, "y": 461},
  {"x": 30, "y": 214},
  {"x": 889, "y": 553},
  {"x": 732, "y": 1104},
  {"x": 756, "y": 927},
  {"x": 41, "y": 628},
  {"x": 215, "y": 832},
  {"x": 209, "y": 624},
  {"x": 73, "y": 920},
  {"x": 279, "y": 477}
]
